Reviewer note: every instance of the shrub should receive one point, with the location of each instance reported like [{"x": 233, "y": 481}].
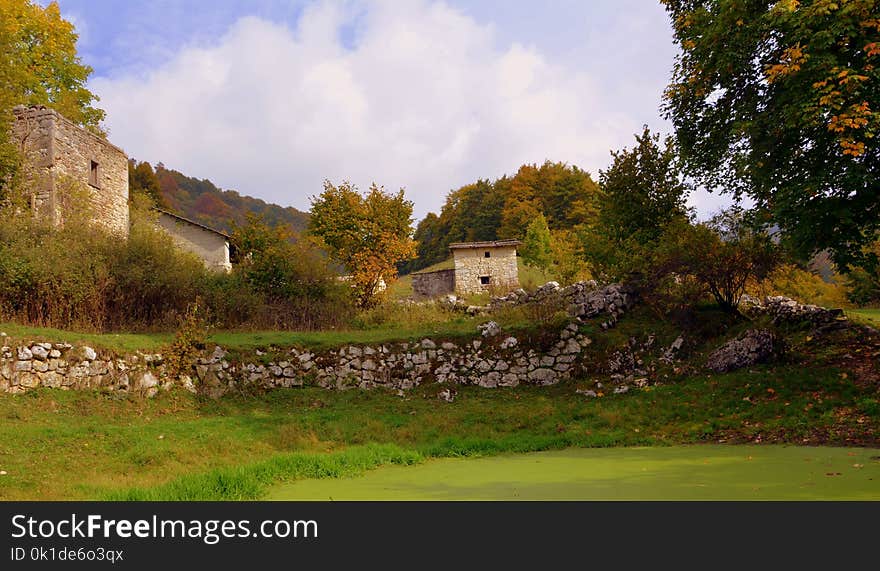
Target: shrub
[
  {"x": 78, "y": 276},
  {"x": 803, "y": 285}
]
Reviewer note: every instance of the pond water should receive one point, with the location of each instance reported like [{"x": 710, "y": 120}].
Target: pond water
[{"x": 722, "y": 472}]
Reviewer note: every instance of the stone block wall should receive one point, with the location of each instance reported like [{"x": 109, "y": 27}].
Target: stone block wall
[
  {"x": 433, "y": 284},
  {"x": 491, "y": 359},
  {"x": 500, "y": 266},
  {"x": 60, "y": 157}
]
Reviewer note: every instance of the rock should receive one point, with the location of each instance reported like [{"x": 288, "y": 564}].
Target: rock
[
  {"x": 587, "y": 393},
  {"x": 428, "y": 344},
  {"x": 40, "y": 352},
  {"x": 489, "y": 329},
  {"x": 148, "y": 381},
  {"x": 509, "y": 343},
  {"x": 571, "y": 346},
  {"x": 753, "y": 346},
  {"x": 543, "y": 376},
  {"x": 24, "y": 354},
  {"x": 547, "y": 289},
  {"x": 447, "y": 395},
  {"x": 622, "y": 389},
  {"x": 89, "y": 354}
]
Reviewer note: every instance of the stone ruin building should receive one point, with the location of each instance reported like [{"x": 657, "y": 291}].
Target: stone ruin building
[
  {"x": 478, "y": 267},
  {"x": 63, "y": 160}
]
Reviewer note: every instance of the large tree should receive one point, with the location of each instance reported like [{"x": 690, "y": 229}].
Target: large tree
[
  {"x": 780, "y": 101},
  {"x": 39, "y": 63},
  {"x": 39, "y": 66},
  {"x": 644, "y": 190},
  {"x": 368, "y": 234}
]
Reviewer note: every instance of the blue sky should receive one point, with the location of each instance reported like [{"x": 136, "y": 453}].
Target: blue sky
[{"x": 272, "y": 97}]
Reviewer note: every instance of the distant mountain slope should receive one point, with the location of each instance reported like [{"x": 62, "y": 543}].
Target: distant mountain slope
[{"x": 202, "y": 201}]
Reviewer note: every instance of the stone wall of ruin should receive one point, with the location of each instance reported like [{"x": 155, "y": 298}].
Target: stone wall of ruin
[
  {"x": 433, "y": 284},
  {"x": 59, "y": 156}
]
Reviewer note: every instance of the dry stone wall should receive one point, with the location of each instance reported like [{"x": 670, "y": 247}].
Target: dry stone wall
[{"x": 491, "y": 359}]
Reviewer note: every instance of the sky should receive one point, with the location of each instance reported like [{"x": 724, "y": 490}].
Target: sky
[{"x": 271, "y": 98}]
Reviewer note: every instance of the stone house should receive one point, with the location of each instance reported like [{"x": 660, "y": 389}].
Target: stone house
[
  {"x": 64, "y": 162},
  {"x": 211, "y": 245},
  {"x": 477, "y": 267},
  {"x": 485, "y": 266}
]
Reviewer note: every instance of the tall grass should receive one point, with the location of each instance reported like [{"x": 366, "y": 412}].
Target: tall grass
[{"x": 251, "y": 481}]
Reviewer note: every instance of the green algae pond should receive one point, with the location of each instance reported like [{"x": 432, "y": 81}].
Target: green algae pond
[{"x": 701, "y": 472}]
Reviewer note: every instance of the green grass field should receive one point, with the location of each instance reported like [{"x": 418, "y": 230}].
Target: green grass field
[
  {"x": 708, "y": 472},
  {"x": 871, "y": 316},
  {"x": 242, "y": 340},
  {"x": 78, "y": 445}
]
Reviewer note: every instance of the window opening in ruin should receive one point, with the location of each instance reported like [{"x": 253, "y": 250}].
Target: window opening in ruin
[
  {"x": 93, "y": 173},
  {"x": 484, "y": 280},
  {"x": 487, "y": 254}
]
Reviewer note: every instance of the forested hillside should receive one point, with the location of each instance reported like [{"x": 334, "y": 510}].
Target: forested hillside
[
  {"x": 204, "y": 202},
  {"x": 502, "y": 209}
]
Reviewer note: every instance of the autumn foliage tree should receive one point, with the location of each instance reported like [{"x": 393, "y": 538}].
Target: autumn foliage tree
[
  {"x": 723, "y": 255},
  {"x": 780, "y": 101},
  {"x": 143, "y": 180},
  {"x": 368, "y": 234},
  {"x": 565, "y": 195}
]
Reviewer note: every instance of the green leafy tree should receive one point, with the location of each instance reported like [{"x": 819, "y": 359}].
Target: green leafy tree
[
  {"x": 368, "y": 234},
  {"x": 273, "y": 262},
  {"x": 780, "y": 101},
  {"x": 644, "y": 190},
  {"x": 536, "y": 249},
  {"x": 39, "y": 66}
]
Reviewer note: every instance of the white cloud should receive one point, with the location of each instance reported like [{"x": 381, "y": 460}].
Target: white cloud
[{"x": 425, "y": 99}]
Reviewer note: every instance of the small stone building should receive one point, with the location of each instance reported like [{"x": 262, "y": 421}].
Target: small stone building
[
  {"x": 212, "y": 246},
  {"x": 485, "y": 266},
  {"x": 64, "y": 162}
]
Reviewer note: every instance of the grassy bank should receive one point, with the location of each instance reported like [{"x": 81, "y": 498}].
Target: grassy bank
[
  {"x": 242, "y": 340},
  {"x": 870, "y": 316},
  {"x": 68, "y": 445}
]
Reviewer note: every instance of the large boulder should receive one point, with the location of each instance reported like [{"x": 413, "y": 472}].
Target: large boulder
[{"x": 753, "y": 346}]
